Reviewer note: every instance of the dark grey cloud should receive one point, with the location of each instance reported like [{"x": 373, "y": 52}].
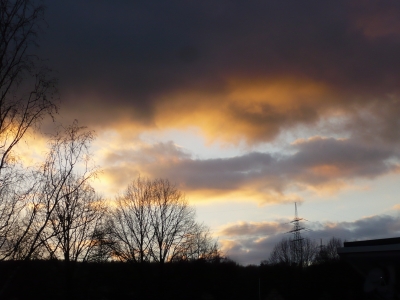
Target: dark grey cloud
[
  {"x": 255, "y": 229},
  {"x": 321, "y": 159},
  {"x": 316, "y": 162},
  {"x": 119, "y": 58}
]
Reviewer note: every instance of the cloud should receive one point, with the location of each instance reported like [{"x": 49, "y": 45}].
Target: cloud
[
  {"x": 121, "y": 164},
  {"x": 238, "y": 72},
  {"x": 32, "y": 149},
  {"x": 319, "y": 160},
  {"x": 315, "y": 164},
  {"x": 159, "y": 152},
  {"x": 254, "y": 229},
  {"x": 240, "y": 242},
  {"x": 377, "y": 20},
  {"x": 253, "y": 109}
]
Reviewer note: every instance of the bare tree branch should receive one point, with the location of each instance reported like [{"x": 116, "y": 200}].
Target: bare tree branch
[
  {"x": 26, "y": 98},
  {"x": 63, "y": 183}
]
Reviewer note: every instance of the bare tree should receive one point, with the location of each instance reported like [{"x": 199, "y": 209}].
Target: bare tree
[
  {"x": 309, "y": 251},
  {"x": 331, "y": 248},
  {"x": 284, "y": 252},
  {"x": 26, "y": 97},
  {"x": 131, "y": 222},
  {"x": 103, "y": 243},
  {"x": 76, "y": 219},
  {"x": 11, "y": 207},
  {"x": 328, "y": 252},
  {"x": 171, "y": 220},
  {"x": 61, "y": 180},
  {"x": 198, "y": 245},
  {"x": 23, "y": 102},
  {"x": 152, "y": 221}
]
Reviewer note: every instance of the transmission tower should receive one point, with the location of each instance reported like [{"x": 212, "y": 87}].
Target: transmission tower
[{"x": 297, "y": 241}]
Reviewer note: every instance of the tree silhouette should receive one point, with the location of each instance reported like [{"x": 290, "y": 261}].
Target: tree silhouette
[
  {"x": 171, "y": 220},
  {"x": 63, "y": 204},
  {"x": 26, "y": 97},
  {"x": 283, "y": 252},
  {"x": 131, "y": 222},
  {"x": 198, "y": 245},
  {"x": 152, "y": 222}
]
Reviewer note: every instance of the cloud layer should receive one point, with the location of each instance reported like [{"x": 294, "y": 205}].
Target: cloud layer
[
  {"x": 315, "y": 164},
  {"x": 238, "y": 71}
]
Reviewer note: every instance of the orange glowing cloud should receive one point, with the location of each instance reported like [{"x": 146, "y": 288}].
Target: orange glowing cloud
[
  {"x": 255, "y": 110},
  {"x": 254, "y": 228},
  {"x": 32, "y": 149},
  {"x": 326, "y": 170},
  {"x": 244, "y": 193}
]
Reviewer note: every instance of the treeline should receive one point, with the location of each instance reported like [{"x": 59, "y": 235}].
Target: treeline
[{"x": 45, "y": 279}]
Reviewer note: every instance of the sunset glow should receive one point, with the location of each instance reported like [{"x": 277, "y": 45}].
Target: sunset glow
[{"x": 247, "y": 108}]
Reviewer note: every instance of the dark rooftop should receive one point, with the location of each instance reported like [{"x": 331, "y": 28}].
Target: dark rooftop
[{"x": 388, "y": 241}]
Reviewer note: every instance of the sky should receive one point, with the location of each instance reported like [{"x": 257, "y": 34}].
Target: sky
[{"x": 247, "y": 106}]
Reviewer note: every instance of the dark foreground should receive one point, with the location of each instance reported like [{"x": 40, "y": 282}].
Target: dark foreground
[{"x": 196, "y": 280}]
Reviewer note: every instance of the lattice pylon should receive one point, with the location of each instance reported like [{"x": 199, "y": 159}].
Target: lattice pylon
[{"x": 297, "y": 241}]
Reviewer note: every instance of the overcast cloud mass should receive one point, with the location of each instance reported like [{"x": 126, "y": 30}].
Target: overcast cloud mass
[{"x": 304, "y": 94}]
